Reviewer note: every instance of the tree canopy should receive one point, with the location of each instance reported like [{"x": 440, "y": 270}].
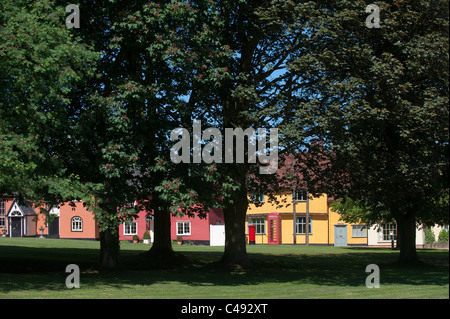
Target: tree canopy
[
  {"x": 41, "y": 63},
  {"x": 378, "y": 102}
]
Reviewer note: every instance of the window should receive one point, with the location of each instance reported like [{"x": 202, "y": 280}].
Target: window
[
  {"x": 259, "y": 222},
  {"x": 183, "y": 228},
  {"x": 359, "y": 231},
  {"x": 301, "y": 225},
  {"x": 2, "y": 213},
  {"x": 130, "y": 228},
  {"x": 301, "y": 195},
  {"x": 387, "y": 229},
  {"x": 257, "y": 197},
  {"x": 77, "y": 223}
]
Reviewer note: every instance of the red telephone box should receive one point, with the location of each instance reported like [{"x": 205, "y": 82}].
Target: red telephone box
[
  {"x": 274, "y": 223},
  {"x": 251, "y": 234}
]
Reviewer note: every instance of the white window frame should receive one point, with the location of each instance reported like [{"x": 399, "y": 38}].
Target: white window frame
[
  {"x": 301, "y": 221},
  {"x": 184, "y": 232},
  {"x": 359, "y": 231},
  {"x": 259, "y": 222},
  {"x": 386, "y": 229},
  {"x": 76, "y": 224},
  {"x": 128, "y": 228}
]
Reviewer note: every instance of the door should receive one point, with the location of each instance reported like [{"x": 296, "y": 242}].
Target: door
[
  {"x": 53, "y": 228},
  {"x": 340, "y": 235},
  {"x": 217, "y": 235},
  {"x": 16, "y": 226}
]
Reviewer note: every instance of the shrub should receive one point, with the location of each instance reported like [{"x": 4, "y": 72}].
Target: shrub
[
  {"x": 429, "y": 237},
  {"x": 443, "y": 236},
  {"x": 146, "y": 235},
  {"x": 136, "y": 237}
]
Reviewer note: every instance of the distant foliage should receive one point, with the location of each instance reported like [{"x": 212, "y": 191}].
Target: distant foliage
[
  {"x": 429, "y": 236},
  {"x": 443, "y": 236}
]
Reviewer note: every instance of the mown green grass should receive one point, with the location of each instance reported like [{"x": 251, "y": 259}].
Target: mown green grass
[{"x": 35, "y": 268}]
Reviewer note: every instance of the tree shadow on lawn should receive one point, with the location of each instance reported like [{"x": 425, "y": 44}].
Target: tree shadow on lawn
[{"x": 23, "y": 268}]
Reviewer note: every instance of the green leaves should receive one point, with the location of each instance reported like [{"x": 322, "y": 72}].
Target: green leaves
[
  {"x": 40, "y": 66},
  {"x": 370, "y": 100}
]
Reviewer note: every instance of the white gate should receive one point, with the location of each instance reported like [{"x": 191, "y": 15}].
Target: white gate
[{"x": 217, "y": 235}]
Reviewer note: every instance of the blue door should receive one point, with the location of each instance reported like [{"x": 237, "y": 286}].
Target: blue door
[{"x": 340, "y": 235}]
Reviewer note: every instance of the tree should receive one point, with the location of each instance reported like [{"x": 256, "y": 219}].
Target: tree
[
  {"x": 378, "y": 101},
  {"x": 265, "y": 36},
  {"x": 172, "y": 59},
  {"x": 215, "y": 61},
  {"x": 40, "y": 65},
  {"x": 63, "y": 140},
  {"x": 100, "y": 149},
  {"x": 99, "y": 144},
  {"x": 153, "y": 56}
]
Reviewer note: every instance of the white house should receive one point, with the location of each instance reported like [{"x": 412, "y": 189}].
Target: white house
[{"x": 381, "y": 235}]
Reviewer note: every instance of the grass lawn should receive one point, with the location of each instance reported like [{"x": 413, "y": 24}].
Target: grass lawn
[{"x": 35, "y": 268}]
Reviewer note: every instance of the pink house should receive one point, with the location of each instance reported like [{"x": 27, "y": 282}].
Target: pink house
[
  {"x": 194, "y": 230},
  {"x": 77, "y": 222},
  {"x": 137, "y": 227}
]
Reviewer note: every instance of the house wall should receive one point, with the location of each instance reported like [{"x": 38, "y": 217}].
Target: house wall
[
  {"x": 7, "y": 202},
  {"x": 323, "y": 220},
  {"x": 319, "y": 233},
  {"x": 90, "y": 228},
  {"x": 334, "y": 219},
  {"x": 141, "y": 227},
  {"x": 284, "y": 207},
  {"x": 215, "y": 216},
  {"x": 40, "y": 222},
  {"x": 199, "y": 226},
  {"x": 30, "y": 225},
  {"x": 375, "y": 238}
]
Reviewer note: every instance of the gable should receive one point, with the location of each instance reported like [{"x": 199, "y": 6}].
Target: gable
[{"x": 18, "y": 210}]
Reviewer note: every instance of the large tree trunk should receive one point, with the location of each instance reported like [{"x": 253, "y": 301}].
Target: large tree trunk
[
  {"x": 162, "y": 243},
  {"x": 406, "y": 227},
  {"x": 235, "y": 254},
  {"x": 109, "y": 249}
]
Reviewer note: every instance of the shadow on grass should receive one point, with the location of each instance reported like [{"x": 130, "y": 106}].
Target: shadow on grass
[{"x": 26, "y": 268}]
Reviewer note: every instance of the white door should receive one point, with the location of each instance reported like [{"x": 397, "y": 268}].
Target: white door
[
  {"x": 340, "y": 235},
  {"x": 150, "y": 226},
  {"x": 217, "y": 235}
]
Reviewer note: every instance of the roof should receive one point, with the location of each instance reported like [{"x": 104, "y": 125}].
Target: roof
[{"x": 26, "y": 209}]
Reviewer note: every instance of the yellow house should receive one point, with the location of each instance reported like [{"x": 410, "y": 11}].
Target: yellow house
[{"x": 274, "y": 221}]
